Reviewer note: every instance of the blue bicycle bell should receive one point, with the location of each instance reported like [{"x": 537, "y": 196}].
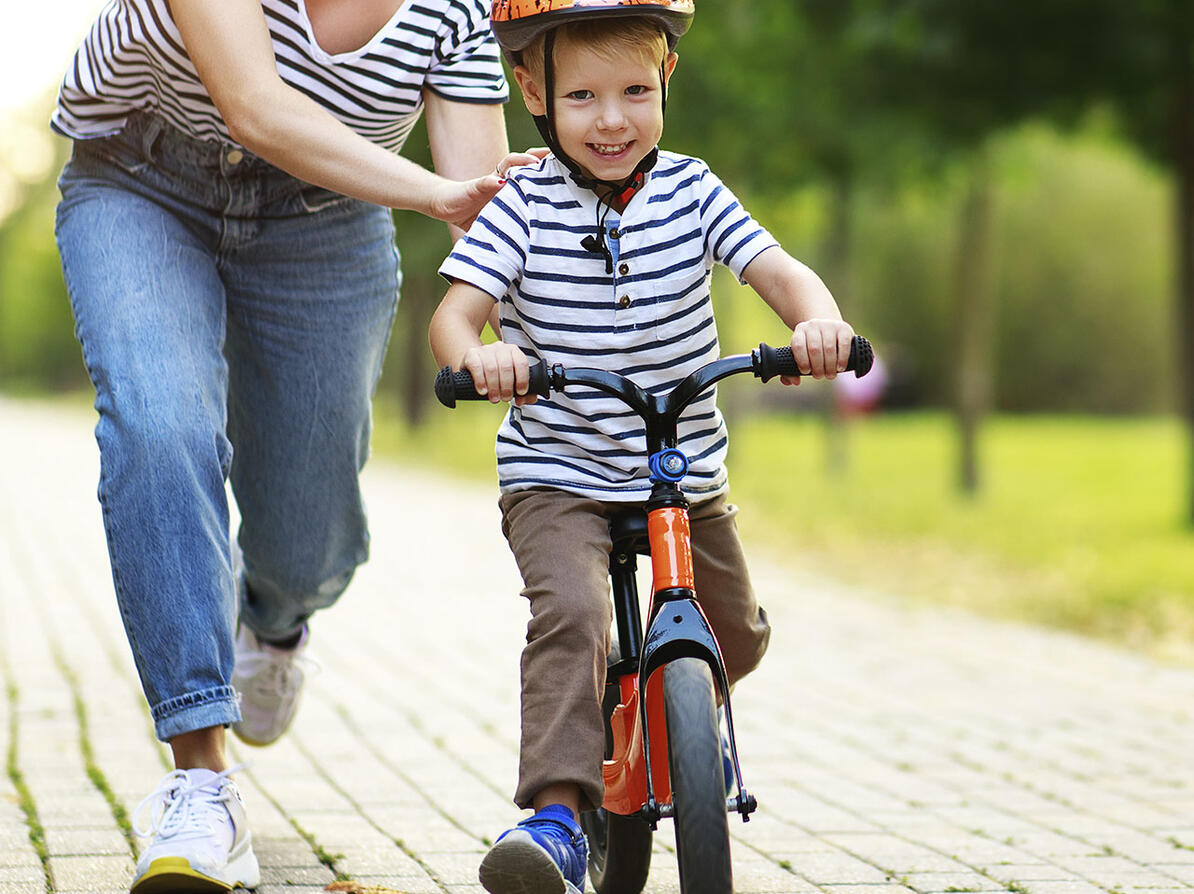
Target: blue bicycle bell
[{"x": 668, "y": 465}]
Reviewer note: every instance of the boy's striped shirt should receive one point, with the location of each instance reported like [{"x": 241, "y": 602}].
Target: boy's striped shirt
[
  {"x": 133, "y": 59},
  {"x": 651, "y": 319}
]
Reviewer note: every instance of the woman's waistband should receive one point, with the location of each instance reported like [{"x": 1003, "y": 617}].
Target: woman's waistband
[{"x": 157, "y": 140}]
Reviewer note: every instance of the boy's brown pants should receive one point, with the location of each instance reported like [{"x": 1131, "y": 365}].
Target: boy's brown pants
[{"x": 561, "y": 543}]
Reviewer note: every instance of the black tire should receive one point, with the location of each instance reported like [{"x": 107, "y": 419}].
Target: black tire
[
  {"x": 698, "y": 780},
  {"x": 619, "y": 851}
]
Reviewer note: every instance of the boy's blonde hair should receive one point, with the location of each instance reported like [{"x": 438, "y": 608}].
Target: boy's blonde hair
[{"x": 607, "y": 37}]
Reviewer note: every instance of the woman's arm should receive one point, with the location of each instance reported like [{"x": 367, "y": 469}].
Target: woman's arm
[
  {"x": 230, "y": 46},
  {"x": 467, "y": 139}
]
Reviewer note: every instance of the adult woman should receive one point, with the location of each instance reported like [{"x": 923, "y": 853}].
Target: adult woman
[{"x": 229, "y": 253}]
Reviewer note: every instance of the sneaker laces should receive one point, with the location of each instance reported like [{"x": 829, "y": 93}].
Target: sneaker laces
[{"x": 185, "y": 809}]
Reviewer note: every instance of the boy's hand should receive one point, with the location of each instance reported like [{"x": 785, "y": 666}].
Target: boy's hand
[
  {"x": 500, "y": 372},
  {"x": 821, "y": 349}
]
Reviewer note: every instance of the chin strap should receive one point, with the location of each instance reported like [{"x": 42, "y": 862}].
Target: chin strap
[
  {"x": 596, "y": 242},
  {"x": 607, "y": 191}
]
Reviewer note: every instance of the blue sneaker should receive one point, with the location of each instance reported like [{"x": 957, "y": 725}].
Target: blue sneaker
[{"x": 545, "y": 854}]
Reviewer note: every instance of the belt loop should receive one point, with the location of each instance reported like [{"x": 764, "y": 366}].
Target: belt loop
[{"x": 152, "y": 131}]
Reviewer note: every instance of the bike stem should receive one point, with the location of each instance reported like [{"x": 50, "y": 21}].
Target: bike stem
[{"x": 660, "y": 413}]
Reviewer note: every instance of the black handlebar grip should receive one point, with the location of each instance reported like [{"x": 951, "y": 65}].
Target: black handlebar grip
[
  {"x": 862, "y": 357},
  {"x": 769, "y": 361},
  {"x": 453, "y": 386}
]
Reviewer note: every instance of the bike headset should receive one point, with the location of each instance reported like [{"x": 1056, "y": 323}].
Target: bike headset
[{"x": 518, "y": 23}]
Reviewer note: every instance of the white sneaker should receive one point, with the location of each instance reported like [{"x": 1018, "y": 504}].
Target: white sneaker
[
  {"x": 269, "y": 680},
  {"x": 201, "y": 840}
]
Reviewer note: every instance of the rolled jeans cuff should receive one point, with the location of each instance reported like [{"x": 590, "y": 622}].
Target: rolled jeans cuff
[{"x": 218, "y": 706}]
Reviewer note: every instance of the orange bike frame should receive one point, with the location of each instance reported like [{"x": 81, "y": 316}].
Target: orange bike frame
[{"x": 625, "y": 773}]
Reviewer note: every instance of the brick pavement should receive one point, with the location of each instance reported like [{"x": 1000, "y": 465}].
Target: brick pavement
[{"x": 893, "y": 750}]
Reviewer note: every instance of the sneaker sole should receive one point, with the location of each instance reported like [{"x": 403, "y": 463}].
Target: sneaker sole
[
  {"x": 174, "y": 875},
  {"x": 516, "y": 865},
  {"x": 256, "y": 743}
]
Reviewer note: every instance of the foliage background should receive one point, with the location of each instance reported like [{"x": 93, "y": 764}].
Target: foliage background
[
  {"x": 860, "y": 132},
  {"x": 1082, "y": 273}
]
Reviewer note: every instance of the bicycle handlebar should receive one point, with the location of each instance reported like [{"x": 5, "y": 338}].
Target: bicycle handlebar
[{"x": 765, "y": 362}]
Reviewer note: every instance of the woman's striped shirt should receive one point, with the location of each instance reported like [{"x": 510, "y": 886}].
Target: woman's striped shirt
[
  {"x": 134, "y": 59},
  {"x": 651, "y": 319}
]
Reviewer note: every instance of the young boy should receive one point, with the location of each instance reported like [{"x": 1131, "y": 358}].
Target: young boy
[{"x": 600, "y": 255}]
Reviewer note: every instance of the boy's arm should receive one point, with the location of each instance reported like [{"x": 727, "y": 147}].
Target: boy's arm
[
  {"x": 820, "y": 338},
  {"x": 500, "y": 371}
]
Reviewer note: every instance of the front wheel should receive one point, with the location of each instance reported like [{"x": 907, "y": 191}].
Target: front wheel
[
  {"x": 698, "y": 780},
  {"x": 619, "y": 851}
]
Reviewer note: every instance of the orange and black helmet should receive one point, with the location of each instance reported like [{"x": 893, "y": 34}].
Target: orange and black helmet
[{"x": 516, "y": 23}]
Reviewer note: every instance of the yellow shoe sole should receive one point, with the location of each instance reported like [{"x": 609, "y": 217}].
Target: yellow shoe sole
[{"x": 174, "y": 875}]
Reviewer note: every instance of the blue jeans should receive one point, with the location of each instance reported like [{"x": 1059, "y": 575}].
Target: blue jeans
[{"x": 233, "y": 321}]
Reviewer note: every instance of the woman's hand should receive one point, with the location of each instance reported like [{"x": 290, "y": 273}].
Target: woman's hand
[
  {"x": 518, "y": 159},
  {"x": 458, "y": 202}
]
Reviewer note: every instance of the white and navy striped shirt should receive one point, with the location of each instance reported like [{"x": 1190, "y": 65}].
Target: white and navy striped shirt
[
  {"x": 134, "y": 59},
  {"x": 651, "y": 319}
]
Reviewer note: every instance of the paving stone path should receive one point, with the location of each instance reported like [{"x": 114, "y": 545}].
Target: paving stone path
[{"x": 893, "y": 750}]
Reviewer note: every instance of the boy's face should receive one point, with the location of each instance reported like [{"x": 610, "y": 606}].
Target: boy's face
[{"x": 608, "y": 109}]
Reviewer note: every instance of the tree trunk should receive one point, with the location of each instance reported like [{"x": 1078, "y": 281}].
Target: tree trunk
[
  {"x": 1183, "y": 160},
  {"x": 973, "y": 321},
  {"x": 838, "y": 275},
  {"x": 414, "y": 316}
]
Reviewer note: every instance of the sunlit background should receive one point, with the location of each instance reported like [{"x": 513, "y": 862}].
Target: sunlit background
[
  {"x": 30, "y": 69},
  {"x": 990, "y": 190}
]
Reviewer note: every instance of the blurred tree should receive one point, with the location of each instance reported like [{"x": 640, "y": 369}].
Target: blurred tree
[
  {"x": 37, "y": 346},
  {"x": 982, "y": 64}
]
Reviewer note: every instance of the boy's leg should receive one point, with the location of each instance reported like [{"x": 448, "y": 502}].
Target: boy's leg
[
  {"x": 561, "y": 544},
  {"x": 724, "y": 589}
]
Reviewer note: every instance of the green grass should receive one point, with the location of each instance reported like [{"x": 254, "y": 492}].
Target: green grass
[
  {"x": 25, "y": 801},
  {"x": 1078, "y": 523}
]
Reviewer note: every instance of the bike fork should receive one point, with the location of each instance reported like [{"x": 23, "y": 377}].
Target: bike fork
[{"x": 678, "y": 628}]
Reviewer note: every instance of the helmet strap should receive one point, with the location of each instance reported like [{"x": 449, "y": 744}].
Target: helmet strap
[{"x": 608, "y": 191}]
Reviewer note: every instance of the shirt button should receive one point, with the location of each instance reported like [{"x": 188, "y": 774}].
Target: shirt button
[
  {"x": 614, "y": 233},
  {"x": 624, "y": 301},
  {"x": 623, "y": 269},
  {"x": 235, "y": 157}
]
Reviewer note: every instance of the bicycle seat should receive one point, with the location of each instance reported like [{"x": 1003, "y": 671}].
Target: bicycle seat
[{"x": 628, "y": 531}]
